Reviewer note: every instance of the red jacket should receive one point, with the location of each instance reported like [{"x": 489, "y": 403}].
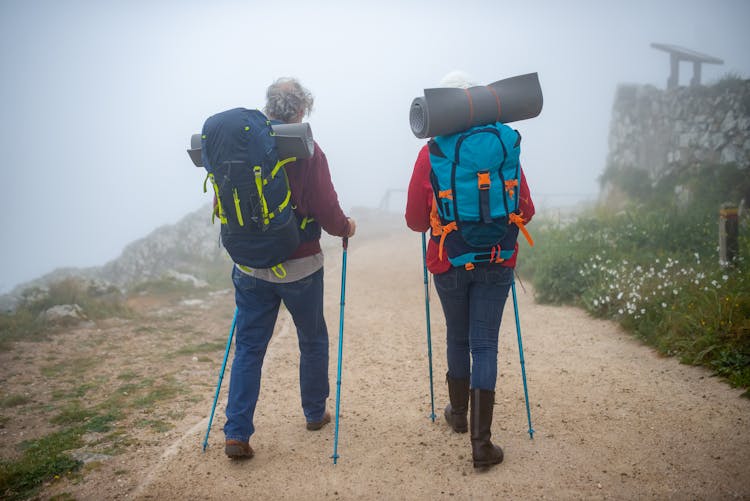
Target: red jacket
[
  {"x": 314, "y": 196},
  {"x": 419, "y": 204}
]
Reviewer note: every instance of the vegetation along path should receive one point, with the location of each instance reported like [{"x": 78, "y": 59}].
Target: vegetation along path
[{"x": 612, "y": 419}]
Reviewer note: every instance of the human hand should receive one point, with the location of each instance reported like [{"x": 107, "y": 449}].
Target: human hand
[{"x": 352, "y": 227}]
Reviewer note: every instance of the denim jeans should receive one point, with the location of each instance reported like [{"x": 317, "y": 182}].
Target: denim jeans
[
  {"x": 258, "y": 304},
  {"x": 473, "y": 302}
]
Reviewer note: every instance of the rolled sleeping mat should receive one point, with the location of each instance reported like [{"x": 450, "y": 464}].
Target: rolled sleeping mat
[
  {"x": 443, "y": 111},
  {"x": 195, "y": 150},
  {"x": 292, "y": 140}
]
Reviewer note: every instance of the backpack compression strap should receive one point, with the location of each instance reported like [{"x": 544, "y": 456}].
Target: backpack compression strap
[
  {"x": 260, "y": 183},
  {"x": 218, "y": 210},
  {"x": 518, "y": 221}
]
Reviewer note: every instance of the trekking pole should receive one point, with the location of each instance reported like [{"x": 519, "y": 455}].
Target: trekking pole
[
  {"x": 221, "y": 377},
  {"x": 335, "y": 456},
  {"x": 427, "y": 315},
  {"x": 523, "y": 363}
]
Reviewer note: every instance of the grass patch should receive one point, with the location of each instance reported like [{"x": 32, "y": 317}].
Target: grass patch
[
  {"x": 72, "y": 367},
  {"x": 64, "y": 496},
  {"x": 164, "y": 286},
  {"x": 71, "y": 414},
  {"x": 42, "y": 460},
  {"x": 654, "y": 269},
  {"x": 76, "y": 392},
  {"x": 13, "y": 401},
  {"x": 158, "y": 425},
  {"x": 164, "y": 391},
  {"x": 200, "y": 348},
  {"x": 128, "y": 376},
  {"x": 26, "y": 324}
]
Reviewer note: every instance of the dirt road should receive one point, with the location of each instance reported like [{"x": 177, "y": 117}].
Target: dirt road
[{"x": 612, "y": 419}]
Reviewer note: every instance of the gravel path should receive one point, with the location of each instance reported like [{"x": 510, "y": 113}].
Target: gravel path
[{"x": 612, "y": 419}]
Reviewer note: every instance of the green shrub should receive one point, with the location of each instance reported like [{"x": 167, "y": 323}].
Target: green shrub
[
  {"x": 25, "y": 323},
  {"x": 654, "y": 269}
]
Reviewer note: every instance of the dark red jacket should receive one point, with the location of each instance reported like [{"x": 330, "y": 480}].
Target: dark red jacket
[
  {"x": 419, "y": 204},
  {"x": 314, "y": 196}
]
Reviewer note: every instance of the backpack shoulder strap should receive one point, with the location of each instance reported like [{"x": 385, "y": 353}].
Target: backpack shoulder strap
[{"x": 434, "y": 148}]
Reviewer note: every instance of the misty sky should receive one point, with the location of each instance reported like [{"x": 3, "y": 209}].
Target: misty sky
[{"x": 99, "y": 98}]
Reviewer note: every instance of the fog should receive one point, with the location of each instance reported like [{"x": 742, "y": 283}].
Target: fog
[{"x": 99, "y": 99}]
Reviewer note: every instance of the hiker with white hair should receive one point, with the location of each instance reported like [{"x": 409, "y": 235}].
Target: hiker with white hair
[
  {"x": 259, "y": 292},
  {"x": 472, "y": 291}
]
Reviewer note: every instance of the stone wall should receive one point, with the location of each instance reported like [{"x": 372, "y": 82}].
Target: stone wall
[{"x": 664, "y": 130}]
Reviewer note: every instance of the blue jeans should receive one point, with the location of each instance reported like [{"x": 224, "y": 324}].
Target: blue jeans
[
  {"x": 473, "y": 302},
  {"x": 257, "y": 309}
]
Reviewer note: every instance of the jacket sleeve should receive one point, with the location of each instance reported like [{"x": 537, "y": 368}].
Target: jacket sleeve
[
  {"x": 419, "y": 197},
  {"x": 525, "y": 204},
  {"x": 322, "y": 199}
]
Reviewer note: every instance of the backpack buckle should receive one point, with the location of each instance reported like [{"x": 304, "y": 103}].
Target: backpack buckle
[{"x": 483, "y": 180}]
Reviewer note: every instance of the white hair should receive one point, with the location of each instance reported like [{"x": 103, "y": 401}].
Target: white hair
[
  {"x": 457, "y": 79},
  {"x": 287, "y": 100}
]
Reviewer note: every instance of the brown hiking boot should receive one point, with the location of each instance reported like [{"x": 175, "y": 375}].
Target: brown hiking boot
[
  {"x": 456, "y": 411},
  {"x": 238, "y": 450},
  {"x": 316, "y": 425},
  {"x": 483, "y": 451}
]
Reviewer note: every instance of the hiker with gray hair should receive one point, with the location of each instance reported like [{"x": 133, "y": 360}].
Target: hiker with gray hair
[
  {"x": 472, "y": 295},
  {"x": 259, "y": 292}
]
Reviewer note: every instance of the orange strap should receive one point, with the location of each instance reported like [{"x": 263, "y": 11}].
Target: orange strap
[
  {"x": 446, "y": 194},
  {"x": 509, "y": 185},
  {"x": 518, "y": 221},
  {"x": 437, "y": 227},
  {"x": 446, "y": 229},
  {"x": 496, "y": 251}
]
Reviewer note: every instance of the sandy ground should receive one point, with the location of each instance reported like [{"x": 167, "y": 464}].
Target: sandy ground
[{"x": 612, "y": 419}]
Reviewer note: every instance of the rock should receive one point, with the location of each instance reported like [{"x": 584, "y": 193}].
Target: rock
[
  {"x": 184, "y": 277},
  {"x": 64, "y": 314}
]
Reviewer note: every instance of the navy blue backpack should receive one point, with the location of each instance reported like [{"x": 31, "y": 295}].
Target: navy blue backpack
[
  {"x": 476, "y": 179},
  {"x": 259, "y": 228}
]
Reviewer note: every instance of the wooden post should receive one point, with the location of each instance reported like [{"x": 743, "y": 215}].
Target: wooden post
[{"x": 728, "y": 235}]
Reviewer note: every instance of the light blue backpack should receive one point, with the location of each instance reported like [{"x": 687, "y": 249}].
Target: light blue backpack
[{"x": 476, "y": 178}]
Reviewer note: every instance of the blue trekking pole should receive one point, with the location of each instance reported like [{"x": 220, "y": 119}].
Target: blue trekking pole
[
  {"x": 335, "y": 456},
  {"x": 221, "y": 377},
  {"x": 427, "y": 315},
  {"x": 523, "y": 363}
]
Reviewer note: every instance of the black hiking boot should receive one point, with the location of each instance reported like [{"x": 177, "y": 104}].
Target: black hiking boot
[
  {"x": 456, "y": 411},
  {"x": 483, "y": 451}
]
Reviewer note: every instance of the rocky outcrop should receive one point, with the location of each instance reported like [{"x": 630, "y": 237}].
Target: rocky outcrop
[
  {"x": 667, "y": 130},
  {"x": 182, "y": 248}
]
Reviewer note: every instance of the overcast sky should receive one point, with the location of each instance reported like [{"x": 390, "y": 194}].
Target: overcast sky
[{"x": 99, "y": 98}]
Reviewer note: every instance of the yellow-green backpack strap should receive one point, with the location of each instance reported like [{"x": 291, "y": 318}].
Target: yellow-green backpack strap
[
  {"x": 279, "y": 270},
  {"x": 222, "y": 215},
  {"x": 259, "y": 187},
  {"x": 237, "y": 208}
]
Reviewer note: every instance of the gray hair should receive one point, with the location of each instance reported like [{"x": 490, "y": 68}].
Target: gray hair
[
  {"x": 286, "y": 100},
  {"x": 457, "y": 79}
]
